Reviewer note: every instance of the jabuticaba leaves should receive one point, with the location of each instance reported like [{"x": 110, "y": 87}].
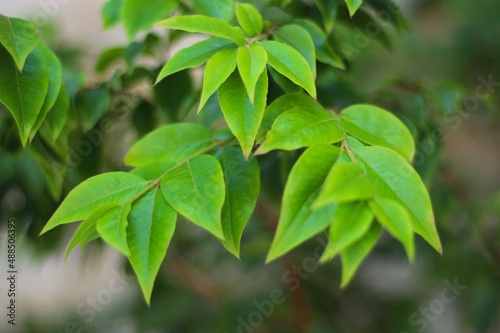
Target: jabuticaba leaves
[
  {"x": 19, "y": 37},
  {"x": 298, "y": 220}
]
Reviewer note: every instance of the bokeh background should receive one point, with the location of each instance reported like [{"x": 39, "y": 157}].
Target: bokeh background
[{"x": 431, "y": 78}]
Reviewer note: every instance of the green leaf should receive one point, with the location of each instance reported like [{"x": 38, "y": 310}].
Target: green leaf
[
  {"x": 151, "y": 224},
  {"x": 205, "y": 25},
  {"x": 23, "y": 93},
  {"x": 242, "y": 117},
  {"x": 289, "y": 62},
  {"x": 221, "y": 9},
  {"x": 249, "y": 19},
  {"x": 217, "y": 70},
  {"x": 298, "y": 128},
  {"x": 111, "y": 187},
  {"x": 90, "y": 106},
  {"x": 353, "y": 256},
  {"x": 112, "y": 227},
  {"x": 171, "y": 143},
  {"x": 55, "y": 81},
  {"x": 109, "y": 57},
  {"x": 349, "y": 223},
  {"x": 194, "y": 56},
  {"x": 298, "y": 38},
  {"x": 346, "y": 182},
  {"x": 137, "y": 16},
  {"x": 242, "y": 179},
  {"x": 19, "y": 37},
  {"x": 378, "y": 127},
  {"x": 298, "y": 221},
  {"x": 353, "y": 6},
  {"x": 396, "y": 220},
  {"x": 85, "y": 231},
  {"x": 394, "y": 178},
  {"x": 196, "y": 190},
  {"x": 252, "y": 61},
  {"x": 328, "y": 9},
  {"x": 324, "y": 53},
  {"x": 282, "y": 104},
  {"x": 57, "y": 116},
  {"x": 283, "y": 82},
  {"x": 110, "y": 13}
]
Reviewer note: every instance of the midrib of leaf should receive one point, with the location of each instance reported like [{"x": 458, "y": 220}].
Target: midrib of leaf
[
  {"x": 226, "y": 183},
  {"x": 150, "y": 230},
  {"x": 13, "y": 36},
  {"x": 373, "y": 137},
  {"x": 20, "y": 99},
  {"x": 197, "y": 189}
]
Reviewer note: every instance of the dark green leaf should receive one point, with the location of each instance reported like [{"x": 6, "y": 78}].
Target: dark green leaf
[
  {"x": 328, "y": 9},
  {"x": 56, "y": 118},
  {"x": 90, "y": 106}
]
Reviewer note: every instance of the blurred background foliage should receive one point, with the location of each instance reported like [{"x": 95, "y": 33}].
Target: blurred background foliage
[{"x": 427, "y": 74}]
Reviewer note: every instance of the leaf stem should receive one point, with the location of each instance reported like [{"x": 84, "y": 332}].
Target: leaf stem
[{"x": 348, "y": 150}]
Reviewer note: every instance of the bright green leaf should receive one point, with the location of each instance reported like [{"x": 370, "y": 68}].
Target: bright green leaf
[
  {"x": 353, "y": 5},
  {"x": 171, "y": 143},
  {"x": 346, "y": 182},
  {"x": 249, "y": 19},
  {"x": 112, "y": 227},
  {"x": 23, "y": 93},
  {"x": 242, "y": 117},
  {"x": 378, "y": 127},
  {"x": 194, "y": 56},
  {"x": 151, "y": 224},
  {"x": 110, "y": 13},
  {"x": 349, "y": 222},
  {"x": 289, "y": 62},
  {"x": 298, "y": 38},
  {"x": 111, "y": 187},
  {"x": 298, "y": 221},
  {"x": 217, "y": 70},
  {"x": 242, "y": 179},
  {"x": 394, "y": 178},
  {"x": 353, "y": 256},
  {"x": 221, "y": 9},
  {"x": 282, "y": 104},
  {"x": 252, "y": 61},
  {"x": 137, "y": 16},
  {"x": 196, "y": 190},
  {"x": 19, "y": 37},
  {"x": 396, "y": 220},
  {"x": 298, "y": 128},
  {"x": 206, "y": 25}
]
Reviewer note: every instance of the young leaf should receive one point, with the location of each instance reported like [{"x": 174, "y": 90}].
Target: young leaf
[
  {"x": 218, "y": 69},
  {"x": 196, "y": 190},
  {"x": 194, "y": 56},
  {"x": 111, "y": 187},
  {"x": 243, "y": 117},
  {"x": 56, "y": 118},
  {"x": 242, "y": 179},
  {"x": 328, "y": 9},
  {"x": 350, "y": 222},
  {"x": 205, "y": 25},
  {"x": 252, "y": 61},
  {"x": 55, "y": 81},
  {"x": 298, "y": 221},
  {"x": 353, "y": 6},
  {"x": 23, "y": 93},
  {"x": 171, "y": 143},
  {"x": 345, "y": 182},
  {"x": 378, "y": 127},
  {"x": 19, "y": 37},
  {"x": 112, "y": 227},
  {"x": 298, "y": 128},
  {"x": 137, "y": 16},
  {"x": 394, "y": 178},
  {"x": 150, "y": 229},
  {"x": 110, "y": 13},
  {"x": 298, "y": 38},
  {"x": 396, "y": 220},
  {"x": 249, "y": 19},
  {"x": 354, "y": 255},
  {"x": 86, "y": 230},
  {"x": 324, "y": 53},
  {"x": 282, "y": 104},
  {"x": 289, "y": 62},
  {"x": 221, "y": 9}
]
